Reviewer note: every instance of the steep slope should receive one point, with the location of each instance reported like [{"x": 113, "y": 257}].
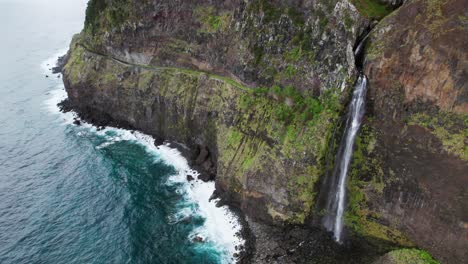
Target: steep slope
[{"x": 412, "y": 158}]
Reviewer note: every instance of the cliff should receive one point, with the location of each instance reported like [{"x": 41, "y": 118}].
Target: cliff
[
  {"x": 256, "y": 90},
  {"x": 254, "y": 86},
  {"x": 413, "y": 168}
]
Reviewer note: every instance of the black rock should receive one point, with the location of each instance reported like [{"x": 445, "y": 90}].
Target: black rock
[
  {"x": 60, "y": 63},
  {"x": 198, "y": 239}
]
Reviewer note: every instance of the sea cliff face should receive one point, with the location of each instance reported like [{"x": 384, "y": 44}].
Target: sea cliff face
[
  {"x": 256, "y": 91},
  {"x": 254, "y": 86},
  {"x": 414, "y": 143}
]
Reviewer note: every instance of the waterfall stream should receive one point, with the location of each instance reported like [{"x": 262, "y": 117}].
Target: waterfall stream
[{"x": 335, "y": 206}]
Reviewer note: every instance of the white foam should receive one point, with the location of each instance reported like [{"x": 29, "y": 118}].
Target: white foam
[
  {"x": 51, "y": 62},
  {"x": 57, "y": 96},
  {"x": 221, "y": 227}
]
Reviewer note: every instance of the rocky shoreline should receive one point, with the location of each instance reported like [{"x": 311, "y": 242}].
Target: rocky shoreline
[
  {"x": 101, "y": 121},
  {"x": 264, "y": 243}
]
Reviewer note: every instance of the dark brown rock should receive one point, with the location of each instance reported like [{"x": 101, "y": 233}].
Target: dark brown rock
[{"x": 416, "y": 64}]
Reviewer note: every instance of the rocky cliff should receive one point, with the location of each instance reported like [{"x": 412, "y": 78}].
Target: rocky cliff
[
  {"x": 254, "y": 85},
  {"x": 414, "y": 166},
  {"x": 256, "y": 90}
]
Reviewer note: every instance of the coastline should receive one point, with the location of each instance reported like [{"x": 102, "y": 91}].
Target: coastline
[
  {"x": 246, "y": 250},
  {"x": 174, "y": 154},
  {"x": 263, "y": 243}
]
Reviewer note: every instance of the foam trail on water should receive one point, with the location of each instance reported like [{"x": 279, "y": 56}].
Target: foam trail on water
[{"x": 221, "y": 227}]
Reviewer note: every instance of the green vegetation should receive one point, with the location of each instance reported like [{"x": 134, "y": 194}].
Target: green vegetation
[
  {"x": 366, "y": 175},
  {"x": 75, "y": 65},
  {"x": 93, "y": 12},
  {"x": 434, "y": 16},
  {"x": 297, "y": 53},
  {"x": 80, "y": 48},
  {"x": 371, "y": 8},
  {"x": 102, "y": 15},
  {"x": 210, "y": 20},
  {"x": 290, "y": 71},
  {"x": 117, "y": 13},
  {"x": 301, "y": 126},
  {"x": 450, "y": 128},
  {"x": 275, "y": 128},
  {"x": 272, "y": 13},
  {"x": 296, "y": 106},
  {"x": 303, "y": 40},
  {"x": 463, "y": 19},
  {"x": 288, "y": 56},
  {"x": 323, "y": 23},
  {"x": 413, "y": 256},
  {"x": 348, "y": 21}
]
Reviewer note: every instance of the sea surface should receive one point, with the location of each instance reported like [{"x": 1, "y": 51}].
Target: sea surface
[{"x": 78, "y": 194}]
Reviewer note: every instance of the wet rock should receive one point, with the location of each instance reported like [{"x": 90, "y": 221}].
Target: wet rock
[
  {"x": 77, "y": 122},
  {"x": 61, "y": 61},
  {"x": 198, "y": 239}
]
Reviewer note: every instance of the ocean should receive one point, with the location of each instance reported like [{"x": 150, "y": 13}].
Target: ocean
[{"x": 78, "y": 194}]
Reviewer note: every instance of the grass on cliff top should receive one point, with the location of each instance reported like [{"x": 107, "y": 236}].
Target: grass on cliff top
[{"x": 371, "y": 8}]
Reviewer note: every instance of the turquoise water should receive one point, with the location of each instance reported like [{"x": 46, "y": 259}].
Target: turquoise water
[{"x": 73, "y": 194}]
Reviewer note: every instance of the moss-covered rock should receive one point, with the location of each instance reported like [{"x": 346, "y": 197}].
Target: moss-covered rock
[
  {"x": 450, "y": 128},
  {"x": 404, "y": 256},
  {"x": 366, "y": 182},
  {"x": 373, "y": 9},
  {"x": 268, "y": 143}
]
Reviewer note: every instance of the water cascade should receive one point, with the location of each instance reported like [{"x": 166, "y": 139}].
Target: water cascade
[{"x": 335, "y": 206}]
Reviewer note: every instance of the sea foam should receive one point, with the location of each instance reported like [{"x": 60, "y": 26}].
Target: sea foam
[
  {"x": 51, "y": 62},
  {"x": 221, "y": 227}
]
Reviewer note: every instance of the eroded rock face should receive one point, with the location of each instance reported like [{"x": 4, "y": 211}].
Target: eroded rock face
[
  {"x": 421, "y": 49},
  {"x": 415, "y": 148}
]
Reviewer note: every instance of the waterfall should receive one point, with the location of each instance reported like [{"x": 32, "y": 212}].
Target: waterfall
[{"x": 335, "y": 206}]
